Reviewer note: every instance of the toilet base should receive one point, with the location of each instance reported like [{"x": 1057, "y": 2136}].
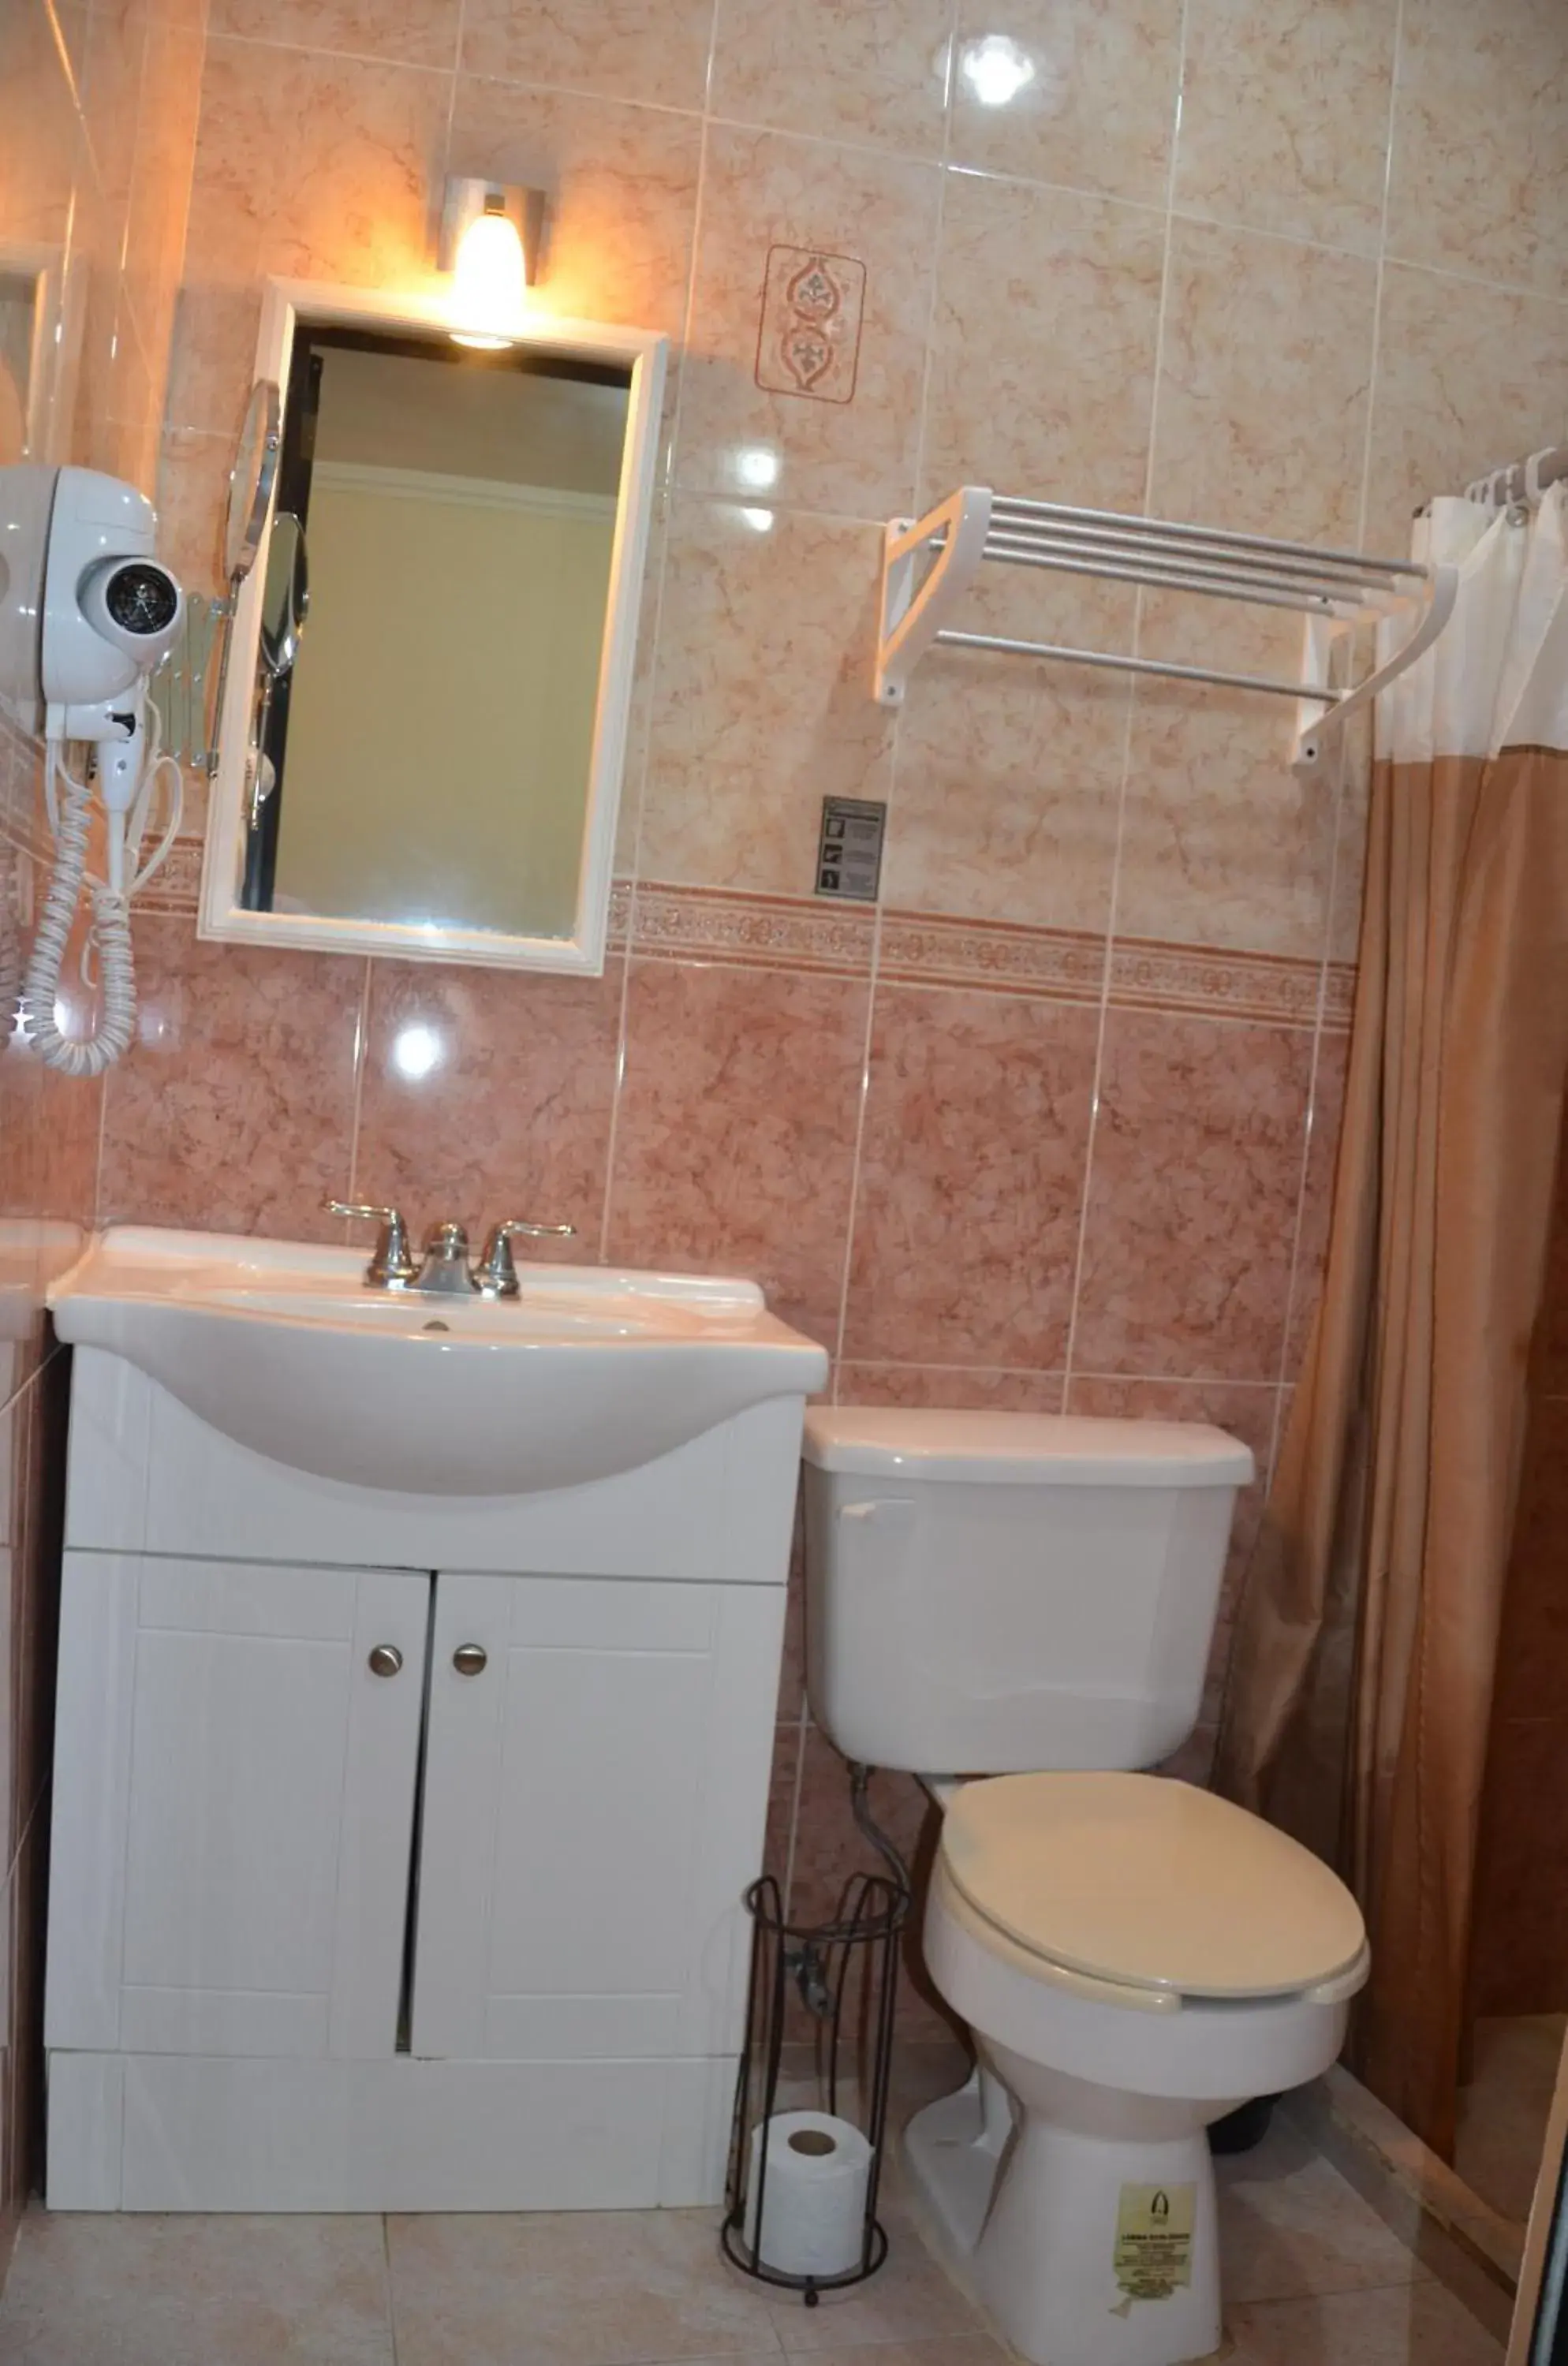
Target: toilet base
[{"x": 1030, "y": 2212}]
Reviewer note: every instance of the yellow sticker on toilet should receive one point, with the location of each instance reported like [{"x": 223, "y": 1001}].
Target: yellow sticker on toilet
[{"x": 1154, "y": 2239}]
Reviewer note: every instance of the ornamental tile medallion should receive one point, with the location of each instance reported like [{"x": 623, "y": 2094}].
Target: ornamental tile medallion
[{"x": 812, "y": 308}]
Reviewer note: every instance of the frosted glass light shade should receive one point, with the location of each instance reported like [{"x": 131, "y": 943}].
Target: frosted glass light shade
[{"x": 490, "y": 283}]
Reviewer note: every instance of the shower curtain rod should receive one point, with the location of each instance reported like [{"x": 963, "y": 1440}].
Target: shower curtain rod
[{"x": 1522, "y": 485}]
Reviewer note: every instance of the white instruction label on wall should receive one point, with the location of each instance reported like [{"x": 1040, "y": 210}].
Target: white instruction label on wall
[{"x": 1153, "y": 2240}]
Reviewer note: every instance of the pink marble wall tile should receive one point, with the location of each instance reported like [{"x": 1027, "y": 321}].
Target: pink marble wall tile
[
  {"x": 763, "y": 190},
  {"x": 1042, "y": 361},
  {"x": 314, "y": 167},
  {"x": 1199, "y": 1149},
  {"x": 1285, "y": 116},
  {"x": 829, "y": 1849},
  {"x": 235, "y": 1110},
  {"x": 1008, "y": 778},
  {"x": 1266, "y": 375},
  {"x": 1466, "y": 380},
  {"x": 735, "y": 1136},
  {"x": 488, "y": 1094},
  {"x": 158, "y": 210},
  {"x": 1083, "y": 96},
  {"x": 971, "y": 1183},
  {"x": 1222, "y": 843},
  {"x": 39, "y": 158},
  {"x": 949, "y": 1388},
  {"x": 414, "y": 33},
  {"x": 621, "y": 190},
  {"x": 309, "y": 166},
  {"x": 1481, "y": 126},
  {"x": 192, "y": 492},
  {"x": 651, "y": 50},
  {"x": 760, "y": 704},
  {"x": 875, "y": 77}
]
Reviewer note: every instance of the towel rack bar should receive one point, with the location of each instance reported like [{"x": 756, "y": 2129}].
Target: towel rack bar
[
  {"x": 1168, "y": 672},
  {"x": 1009, "y": 503},
  {"x": 1085, "y": 539},
  {"x": 1188, "y": 576},
  {"x": 1249, "y": 590}
]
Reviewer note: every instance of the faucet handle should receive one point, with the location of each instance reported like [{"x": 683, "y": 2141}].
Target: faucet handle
[
  {"x": 497, "y": 1275},
  {"x": 392, "y": 1264}
]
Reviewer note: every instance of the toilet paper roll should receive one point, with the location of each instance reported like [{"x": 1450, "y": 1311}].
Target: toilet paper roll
[{"x": 813, "y": 2198}]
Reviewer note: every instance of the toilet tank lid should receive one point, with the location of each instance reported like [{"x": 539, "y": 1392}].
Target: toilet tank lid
[{"x": 1019, "y": 1448}]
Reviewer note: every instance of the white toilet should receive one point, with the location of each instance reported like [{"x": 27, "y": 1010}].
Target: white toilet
[{"x": 1031, "y": 1600}]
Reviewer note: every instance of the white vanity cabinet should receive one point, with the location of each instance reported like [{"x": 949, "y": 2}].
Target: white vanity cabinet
[
  {"x": 399, "y": 1842},
  {"x": 233, "y": 1819}
]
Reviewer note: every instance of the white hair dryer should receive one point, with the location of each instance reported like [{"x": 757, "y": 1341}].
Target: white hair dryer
[{"x": 86, "y": 610}]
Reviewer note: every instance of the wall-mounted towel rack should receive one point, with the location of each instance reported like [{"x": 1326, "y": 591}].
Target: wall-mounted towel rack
[{"x": 927, "y": 564}]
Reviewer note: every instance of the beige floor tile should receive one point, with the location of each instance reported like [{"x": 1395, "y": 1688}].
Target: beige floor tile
[
  {"x": 1290, "y": 2225},
  {"x": 908, "y": 2300},
  {"x": 945, "y": 2350},
  {"x": 1413, "y": 2324},
  {"x": 590, "y": 2289},
  {"x": 198, "y": 2291}
]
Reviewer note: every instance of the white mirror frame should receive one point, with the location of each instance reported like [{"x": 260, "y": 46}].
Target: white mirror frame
[{"x": 221, "y": 916}]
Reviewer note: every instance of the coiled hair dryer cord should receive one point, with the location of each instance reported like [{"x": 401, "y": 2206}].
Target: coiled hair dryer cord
[{"x": 111, "y": 925}]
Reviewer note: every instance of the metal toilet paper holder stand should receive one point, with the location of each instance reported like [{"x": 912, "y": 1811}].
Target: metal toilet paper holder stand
[{"x": 829, "y": 1990}]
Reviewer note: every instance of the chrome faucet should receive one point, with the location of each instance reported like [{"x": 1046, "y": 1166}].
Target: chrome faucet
[{"x": 444, "y": 1265}]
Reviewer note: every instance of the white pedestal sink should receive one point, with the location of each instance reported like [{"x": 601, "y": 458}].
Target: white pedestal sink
[{"x": 283, "y": 1347}]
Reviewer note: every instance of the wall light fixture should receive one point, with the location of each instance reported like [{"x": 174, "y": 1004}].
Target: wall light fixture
[{"x": 490, "y": 238}]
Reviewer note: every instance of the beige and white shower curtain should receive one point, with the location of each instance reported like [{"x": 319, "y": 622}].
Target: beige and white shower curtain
[{"x": 1361, "y": 1682}]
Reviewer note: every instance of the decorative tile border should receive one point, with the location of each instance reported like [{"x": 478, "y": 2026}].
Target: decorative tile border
[
  {"x": 663, "y": 922},
  {"x": 754, "y": 931},
  {"x": 926, "y": 949},
  {"x": 1339, "y": 997},
  {"x": 175, "y": 888},
  {"x": 1208, "y": 982}
]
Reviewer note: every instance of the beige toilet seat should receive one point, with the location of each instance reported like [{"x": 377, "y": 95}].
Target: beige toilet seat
[{"x": 1142, "y": 1884}]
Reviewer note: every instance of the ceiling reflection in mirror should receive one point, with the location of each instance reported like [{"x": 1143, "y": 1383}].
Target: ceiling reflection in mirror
[{"x": 425, "y": 716}]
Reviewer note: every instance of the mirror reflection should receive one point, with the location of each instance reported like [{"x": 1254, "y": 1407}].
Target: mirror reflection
[{"x": 426, "y": 743}]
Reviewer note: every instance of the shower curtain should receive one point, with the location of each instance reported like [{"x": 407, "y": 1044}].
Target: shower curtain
[{"x": 1361, "y": 1685}]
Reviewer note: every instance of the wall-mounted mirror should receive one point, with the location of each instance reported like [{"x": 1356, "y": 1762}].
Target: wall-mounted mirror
[{"x": 425, "y": 718}]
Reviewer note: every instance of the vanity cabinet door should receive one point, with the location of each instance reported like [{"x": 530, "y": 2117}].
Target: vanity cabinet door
[
  {"x": 596, "y": 1785},
  {"x": 235, "y": 1799}
]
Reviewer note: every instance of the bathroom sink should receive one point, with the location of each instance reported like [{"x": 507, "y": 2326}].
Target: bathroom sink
[{"x": 281, "y": 1347}]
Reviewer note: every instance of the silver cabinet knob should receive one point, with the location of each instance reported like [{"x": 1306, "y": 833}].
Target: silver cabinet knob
[
  {"x": 470, "y": 1659},
  {"x": 385, "y": 1660}
]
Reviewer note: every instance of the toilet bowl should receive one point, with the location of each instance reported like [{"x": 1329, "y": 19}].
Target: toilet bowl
[
  {"x": 1085, "y": 1928},
  {"x": 1032, "y": 1599}
]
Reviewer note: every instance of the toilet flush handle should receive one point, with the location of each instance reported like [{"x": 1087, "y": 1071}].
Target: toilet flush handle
[{"x": 879, "y": 1511}]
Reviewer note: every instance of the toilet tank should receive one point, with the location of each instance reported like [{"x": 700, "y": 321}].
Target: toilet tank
[{"x": 1011, "y": 1592}]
